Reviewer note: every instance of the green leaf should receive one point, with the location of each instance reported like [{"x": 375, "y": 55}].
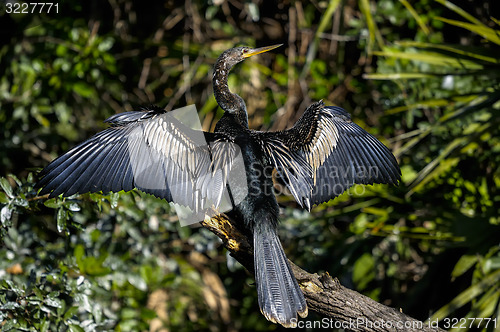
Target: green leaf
[
  {"x": 84, "y": 90},
  {"x": 467, "y": 296},
  {"x": 53, "y": 302},
  {"x": 4, "y": 183},
  {"x": 3, "y": 198},
  {"x": 486, "y": 305},
  {"x": 480, "y": 102},
  {"x": 113, "y": 199},
  {"x": 16, "y": 179},
  {"x": 72, "y": 206},
  {"x": 44, "y": 326},
  {"x": 374, "y": 33},
  {"x": 432, "y": 58},
  {"x": 438, "y": 166},
  {"x": 432, "y": 103},
  {"x": 53, "y": 294},
  {"x": 9, "y": 325},
  {"x": 5, "y": 214},
  {"x": 397, "y": 76},
  {"x": 38, "y": 293},
  {"x": 137, "y": 282},
  {"x": 62, "y": 217},
  {"x": 325, "y": 22},
  {"x": 363, "y": 271},
  {"x": 71, "y": 312},
  {"x": 10, "y": 306},
  {"x": 90, "y": 265},
  {"x": 457, "y": 49},
  {"x": 491, "y": 264},
  {"x": 460, "y": 11},
  {"x": 20, "y": 202},
  {"x": 53, "y": 203},
  {"x": 105, "y": 44},
  {"x": 148, "y": 314},
  {"x": 75, "y": 328},
  {"x": 463, "y": 265},
  {"x": 417, "y": 18},
  {"x": 79, "y": 253},
  {"x": 482, "y": 30}
]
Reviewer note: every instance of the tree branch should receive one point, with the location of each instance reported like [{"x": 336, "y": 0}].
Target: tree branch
[{"x": 325, "y": 295}]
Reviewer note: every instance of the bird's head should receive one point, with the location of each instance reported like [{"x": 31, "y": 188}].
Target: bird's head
[
  {"x": 238, "y": 54},
  {"x": 228, "y": 101}
]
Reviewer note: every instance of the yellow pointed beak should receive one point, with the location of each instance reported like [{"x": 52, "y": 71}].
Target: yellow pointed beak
[{"x": 260, "y": 50}]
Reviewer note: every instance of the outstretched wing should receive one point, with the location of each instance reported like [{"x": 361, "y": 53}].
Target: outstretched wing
[
  {"x": 152, "y": 151},
  {"x": 325, "y": 153}
]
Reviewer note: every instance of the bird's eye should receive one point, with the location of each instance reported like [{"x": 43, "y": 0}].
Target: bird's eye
[{"x": 245, "y": 51}]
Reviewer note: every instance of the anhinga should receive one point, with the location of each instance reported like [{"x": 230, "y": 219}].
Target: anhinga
[{"x": 320, "y": 157}]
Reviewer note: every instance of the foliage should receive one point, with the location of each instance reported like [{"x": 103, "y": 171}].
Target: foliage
[
  {"x": 458, "y": 87},
  {"x": 423, "y": 76}
]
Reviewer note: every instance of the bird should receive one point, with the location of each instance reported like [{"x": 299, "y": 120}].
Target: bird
[{"x": 322, "y": 155}]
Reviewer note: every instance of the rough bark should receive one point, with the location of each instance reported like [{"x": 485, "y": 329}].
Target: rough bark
[{"x": 341, "y": 306}]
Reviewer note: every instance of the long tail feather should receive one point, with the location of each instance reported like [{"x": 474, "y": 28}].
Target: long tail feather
[{"x": 280, "y": 297}]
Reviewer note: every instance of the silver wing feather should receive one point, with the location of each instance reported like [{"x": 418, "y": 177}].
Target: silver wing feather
[{"x": 149, "y": 150}]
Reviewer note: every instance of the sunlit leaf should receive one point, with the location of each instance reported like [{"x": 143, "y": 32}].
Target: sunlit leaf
[
  {"x": 467, "y": 296},
  {"x": 457, "y": 49},
  {"x": 460, "y": 11},
  {"x": 491, "y": 264},
  {"x": 326, "y": 20},
  {"x": 5, "y": 214},
  {"x": 62, "y": 217},
  {"x": 9, "y": 325},
  {"x": 113, "y": 199},
  {"x": 16, "y": 179},
  {"x": 432, "y": 103},
  {"x": 479, "y": 103},
  {"x": 10, "y": 306},
  {"x": 75, "y": 328},
  {"x": 137, "y": 282},
  {"x": 363, "y": 271},
  {"x": 415, "y": 15},
  {"x": 432, "y": 58},
  {"x": 53, "y": 302},
  {"x": 70, "y": 312},
  {"x": 414, "y": 141},
  {"x": 53, "y": 203},
  {"x": 374, "y": 33},
  {"x": 71, "y": 206},
  {"x": 4, "y": 183},
  {"x": 484, "y": 31},
  {"x": 438, "y": 166},
  {"x": 397, "y": 76},
  {"x": 19, "y": 201},
  {"x": 485, "y": 306},
  {"x": 463, "y": 265}
]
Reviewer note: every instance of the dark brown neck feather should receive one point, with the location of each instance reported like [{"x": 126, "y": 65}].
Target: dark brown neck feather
[{"x": 228, "y": 101}]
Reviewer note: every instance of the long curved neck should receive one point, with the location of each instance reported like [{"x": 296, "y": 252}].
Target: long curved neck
[{"x": 228, "y": 101}]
